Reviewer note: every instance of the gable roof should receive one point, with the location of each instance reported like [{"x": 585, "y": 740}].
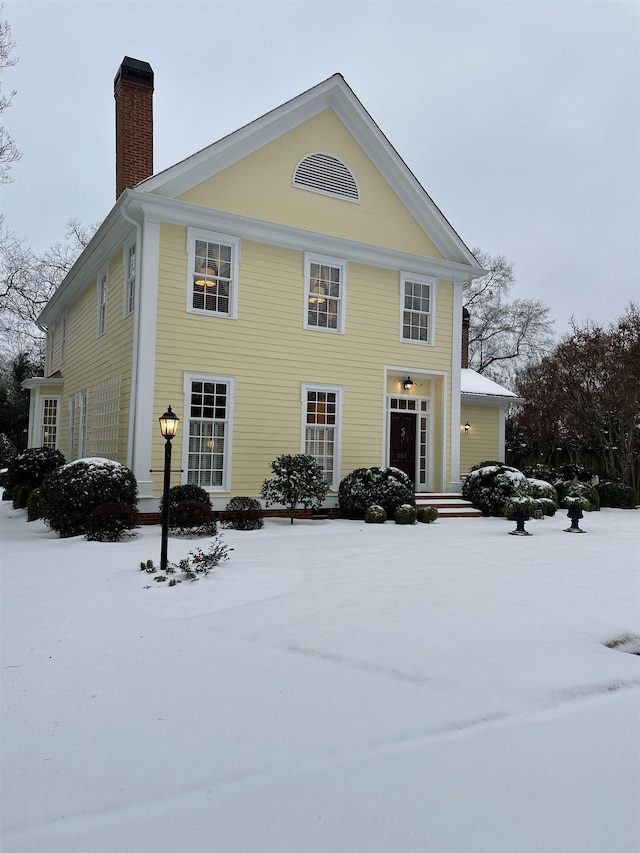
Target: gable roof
[
  {"x": 333, "y": 93},
  {"x": 475, "y": 386}
]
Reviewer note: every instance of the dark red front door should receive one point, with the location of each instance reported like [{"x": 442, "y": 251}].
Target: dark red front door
[{"x": 403, "y": 443}]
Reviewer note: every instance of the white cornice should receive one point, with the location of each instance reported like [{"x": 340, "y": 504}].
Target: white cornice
[{"x": 490, "y": 399}]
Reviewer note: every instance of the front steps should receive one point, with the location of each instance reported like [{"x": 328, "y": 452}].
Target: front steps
[{"x": 449, "y": 505}]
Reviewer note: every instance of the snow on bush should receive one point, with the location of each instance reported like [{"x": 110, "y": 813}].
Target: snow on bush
[
  {"x": 427, "y": 514},
  {"x": 489, "y": 487},
  {"x": 31, "y": 467},
  {"x": 375, "y": 514},
  {"x": 70, "y": 494},
  {"x": 578, "y": 489},
  {"x": 298, "y": 479},
  {"x": 364, "y": 487},
  {"x": 542, "y": 489},
  {"x": 405, "y": 514}
]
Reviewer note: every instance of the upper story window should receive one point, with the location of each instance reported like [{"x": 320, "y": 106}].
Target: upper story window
[
  {"x": 326, "y": 174},
  {"x": 129, "y": 278},
  {"x": 213, "y": 273},
  {"x": 417, "y": 308},
  {"x": 51, "y": 340},
  {"x": 102, "y": 302},
  {"x": 63, "y": 338},
  {"x": 325, "y": 283}
]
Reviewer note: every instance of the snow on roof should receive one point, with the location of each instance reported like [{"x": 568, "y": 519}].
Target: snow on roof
[{"x": 473, "y": 383}]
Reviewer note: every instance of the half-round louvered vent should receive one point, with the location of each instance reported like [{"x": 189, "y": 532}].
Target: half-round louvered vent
[{"x": 323, "y": 173}]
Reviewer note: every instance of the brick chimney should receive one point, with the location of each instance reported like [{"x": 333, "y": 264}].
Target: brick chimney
[
  {"x": 133, "y": 91},
  {"x": 465, "y": 338}
]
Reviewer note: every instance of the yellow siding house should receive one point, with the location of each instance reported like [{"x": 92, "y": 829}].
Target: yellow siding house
[{"x": 291, "y": 288}]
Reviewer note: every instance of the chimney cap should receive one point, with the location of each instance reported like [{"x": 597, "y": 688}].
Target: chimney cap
[{"x": 134, "y": 71}]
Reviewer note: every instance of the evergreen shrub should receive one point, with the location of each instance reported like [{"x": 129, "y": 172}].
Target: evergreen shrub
[
  {"x": 69, "y": 495},
  {"x": 7, "y": 450},
  {"x": 192, "y": 518},
  {"x": 243, "y": 513},
  {"x": 109, "y": 522},
  {"x": 298, "y": 479},
  {"x": 32, "y": 466},
  {"x": 364, "y": 487},
  {"x": 615, "y": 494},
  {"x": 490, "y": 486},
  {"x": 578, "y": 489},
  {"x": 542, "y": 489},
  {"x": 427, "y": 514},
  {"x": 375, "y": 514},
  {"x": 33, "y": 506},
  {"x": 186, "y": 492},
  {"x": 21, "y": 497},
  {"x": 405, "y": 514}
]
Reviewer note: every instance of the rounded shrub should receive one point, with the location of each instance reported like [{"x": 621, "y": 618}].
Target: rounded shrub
[
  {"x": 615, "y": 494},
  {"x": 582, "y": 501},
  {"x": 109, "y": 522},
  {"x": 192, "y": 518},
  {"x": 528, "y": 505},
  {"x": 542, "y": 472},
  {"x": 578, "y": 489},
  {"x": 32, "y": 466},
  {"x": 69, "y": 495},
  {"x": 405, "y": 514},
  {"x": 375, "y": 514},
  {"x": 243, "y": 513},
  {"x": 33, "y": 506},
  {"x": 548, "y": 506},
  {"x": 489, "y": 487},
  {"x": 427, "y": 514},
  {"x": 542, "y": 489},
  {"x": 364, "y": 487},
  {"x": 186, "y": 492}
]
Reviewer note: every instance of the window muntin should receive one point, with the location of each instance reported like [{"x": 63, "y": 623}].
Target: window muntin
[
  {"x": 209, "y": 407},
  {"x": 322, "y": 407},
  {"x": 50, "y": 422},
  {"x": 213, "y": 273},
  {"x": 417, "y": 309},
  {"x": 130, "y": 278},
  {"x": 325, "y": 280},
  {"x": 102, "y": 303}
]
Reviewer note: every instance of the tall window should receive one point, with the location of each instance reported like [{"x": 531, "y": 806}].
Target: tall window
[
  {"x": 209, "y": 406},
  {"x": 102, "y": 303},
  {"x": 130, "y": 278},
  {"x": 417, "y": 309},
  {"x": 213, "y": 273},
  {"x": 51, "y": 340},
  {"x": 82, "y": 437},
  {"x": 63, "y": 338},
  {"x": 72, "y": 428},
  {"x": 322, "y": 428},
  {"x": 325, "y": 280},
  {"x": 50, "y": 422}
]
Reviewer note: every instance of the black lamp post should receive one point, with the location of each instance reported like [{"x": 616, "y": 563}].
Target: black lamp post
[{"x": 168, "y": 428}]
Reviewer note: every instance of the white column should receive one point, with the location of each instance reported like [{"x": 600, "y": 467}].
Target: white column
[{"x": 455, "y": 485}]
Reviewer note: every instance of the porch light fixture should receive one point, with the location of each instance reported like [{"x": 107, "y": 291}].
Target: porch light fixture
[
  {"x": 168, "y": 427},
  {"x": 408, "y": 384},
  {"x": 466, "y": 428}
]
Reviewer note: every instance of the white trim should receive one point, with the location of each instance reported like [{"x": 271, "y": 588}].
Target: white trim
[
  {"x": 63, "y": 337},
  {"x": 230, "y": 382},
  {"x": 432, "y": 283},
  {"x": 83, "y": 422},
  {"x": 455, "y": 484},
  {"x": 338, "y": 390},
  {"x": 234, "y": 243},
  {"x": 102, "y": 285},
  {"x": 71, "y": 433},
  {"x": 131, "y": 288},
  {"x": 43, "y": 400},
  {"x": 142, "y": 416},
  {"x": 343, "y": 266}
]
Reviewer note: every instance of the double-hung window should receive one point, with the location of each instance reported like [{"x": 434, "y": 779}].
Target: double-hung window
[
  {"x": 102, "y": 302},
  {"x": 50, "y": 422},
  {"x": 213, "y": 261},
  {"x": 322, "y": 406},
  {"x": 325, "y": 282},
  {"x": 209, "y": 405},
  {"x": 417, "y": 308},
  {"x": 129, "y": 278}
]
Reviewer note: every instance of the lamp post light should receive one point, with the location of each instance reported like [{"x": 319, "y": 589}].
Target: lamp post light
[{"x": 168, "y": 428}]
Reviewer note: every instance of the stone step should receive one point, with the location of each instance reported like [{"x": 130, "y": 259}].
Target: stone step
[{"x": 449, "y": 505}]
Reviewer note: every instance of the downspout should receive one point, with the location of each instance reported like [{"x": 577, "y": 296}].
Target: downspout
[{"x": 136, "y": 341}]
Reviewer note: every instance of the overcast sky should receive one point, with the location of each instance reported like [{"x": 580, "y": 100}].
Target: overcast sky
[{"x": 520, "y": 119}]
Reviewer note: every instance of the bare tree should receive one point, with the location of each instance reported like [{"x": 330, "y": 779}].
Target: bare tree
[
  {"x": 9, "y": 152},
  {"x": 504, "y": 335}
]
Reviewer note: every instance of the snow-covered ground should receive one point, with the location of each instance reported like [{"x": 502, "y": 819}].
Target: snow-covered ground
[{"x": 334, "y": 686}]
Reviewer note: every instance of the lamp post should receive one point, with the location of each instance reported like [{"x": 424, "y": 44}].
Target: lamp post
[{"x": 168, "y": 428}]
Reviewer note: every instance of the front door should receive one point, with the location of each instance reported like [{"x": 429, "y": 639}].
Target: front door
[{"x": 403, "y": 443}]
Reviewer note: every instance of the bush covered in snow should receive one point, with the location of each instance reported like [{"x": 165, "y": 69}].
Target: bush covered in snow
[
  {"x": 71, "y": 493},
  {"x": 30, "y": 467},
  {"x": 375, "y": 514},
  {"x": 243, "y": 513},
  {"x": 405, "y": 514},
  {"x": 7, "y": 450},
  {"x": 578, "y": 489},
  {"x": 186, "y": 492},
  {"x": 571, "y": 500},
  {"x": 542, "y": 489},
  {"x": 490, "y": 486},
  {"x": 110, "y": 522},
  {"x": 364, "y": 487},
  {"x": 615, "y": 494},
  {"x": 427, "y": 514},
  {"x": 298, "y": 479}
]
